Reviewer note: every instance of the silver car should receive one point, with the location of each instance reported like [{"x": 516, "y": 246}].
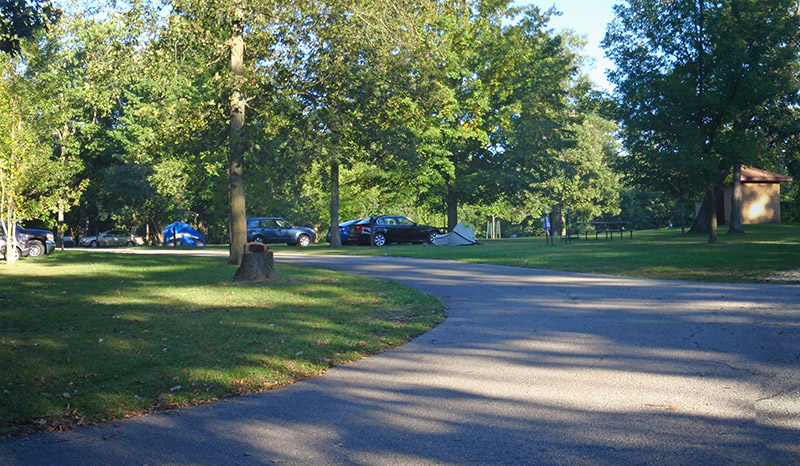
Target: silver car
[{"x": 111, "y": 238}]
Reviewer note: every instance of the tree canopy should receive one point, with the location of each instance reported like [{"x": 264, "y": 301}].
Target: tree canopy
[
  {"x": 698, "y": 82},
  {"x": 22, "y": 19},
  {"x": 209, "y": 112}
]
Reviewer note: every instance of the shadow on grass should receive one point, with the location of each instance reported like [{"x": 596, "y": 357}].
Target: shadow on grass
[{"x": 98, "y": 336}]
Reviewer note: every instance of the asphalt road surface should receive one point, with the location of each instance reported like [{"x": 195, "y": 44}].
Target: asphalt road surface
[{"x": 531, "y": 367}]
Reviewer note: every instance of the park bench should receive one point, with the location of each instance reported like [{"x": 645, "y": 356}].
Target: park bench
[{"x": 610, "y": 228}]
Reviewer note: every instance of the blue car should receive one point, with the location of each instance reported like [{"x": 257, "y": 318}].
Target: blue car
[
  {"x": 344, "y": 228},
  {"x": 278, "y": 230}
]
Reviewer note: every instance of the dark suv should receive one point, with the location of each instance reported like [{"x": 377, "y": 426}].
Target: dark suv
[
  {"x": 40, "y": 242},
  {"x": 278, "y": 230}
]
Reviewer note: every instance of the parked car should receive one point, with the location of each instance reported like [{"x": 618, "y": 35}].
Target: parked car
[
  {"x": 69, "y": 242},
  {"x": 278, "y": 230},
  {"x": 391, "y": 229},
  {"x": 21, "y": 250},
  {"x": 344, "y": 228},
  {"x": 40, "y": 242},
  {"x": 87, "y": 241},
  {"x": 111, "y": 238}
]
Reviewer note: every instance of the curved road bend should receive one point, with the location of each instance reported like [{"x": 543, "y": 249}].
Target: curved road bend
[{"x": 531, "y": 367}]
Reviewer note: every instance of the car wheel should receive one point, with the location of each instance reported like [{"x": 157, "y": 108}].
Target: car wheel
[
  {"x": 93, "y": 244},
  {"x": 129, "y": 244},
  {"x": 303, "y": 241},
  {"x": 16, "y": 254},
  {"x": 432, "y": 237},
  {"x": 258, "y": 239},
  {"x": 380, "y": 239},
  {"x": 36, "y": 249}
]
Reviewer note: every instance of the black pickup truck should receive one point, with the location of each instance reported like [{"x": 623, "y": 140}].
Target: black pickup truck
[{"x": 40, "y": 242}]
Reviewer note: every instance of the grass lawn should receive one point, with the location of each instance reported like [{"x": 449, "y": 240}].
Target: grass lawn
[
  {"x": 87, "y": 337},
  {"x": 760, "y": 253}
]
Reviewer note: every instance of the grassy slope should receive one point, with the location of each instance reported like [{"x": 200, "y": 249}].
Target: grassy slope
[
  {"x": 763, "y": 251},
  {"x": 87, "y": 337}
]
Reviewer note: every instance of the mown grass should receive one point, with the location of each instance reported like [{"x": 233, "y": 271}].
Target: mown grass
[
  {"x": 756, "y": 256},
  {"x": 87, "y": 337}
]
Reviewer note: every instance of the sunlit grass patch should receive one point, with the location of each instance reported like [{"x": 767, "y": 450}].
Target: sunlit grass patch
[
  {"x": 87, "y": 337},
  {"x": 764, "y": 251}
]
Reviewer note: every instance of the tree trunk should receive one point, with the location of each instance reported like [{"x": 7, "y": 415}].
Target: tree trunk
[
  {"x": 683, "y": 216},
  {"x": 736, "y": 201},
  {"x": 238, "y": 225},
  {"x": 60, "y": 225},
  {"x": 258, "y": 264},
  {"x": 60, "y": 214},
  {"x": 702, "y": 222},
  {"x": 336, "y": 239},
  {"x": 452, "y": 209},
  {"x": 712, "y": 228}
]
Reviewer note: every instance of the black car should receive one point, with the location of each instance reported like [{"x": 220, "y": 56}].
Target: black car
[
  {"x": 391, "y": 229},
  {"x": 278, "y": 230}
]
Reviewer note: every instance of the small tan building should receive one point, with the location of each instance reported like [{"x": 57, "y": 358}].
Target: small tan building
[{"x": 761, "y": 197}]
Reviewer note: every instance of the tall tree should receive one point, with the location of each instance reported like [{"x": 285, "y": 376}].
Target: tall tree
[
  {"x": 497, "y": 103},
  {"x": 581, "y": 178},
  {"x": 22, "y": 154},
  {"x": 693, "y": 79},
  {"x": 354, "y": 76},
  {"x": 57, "y": 70},
  {"x": 250, "y": 36},
  {"x": 238, "y": 226}
]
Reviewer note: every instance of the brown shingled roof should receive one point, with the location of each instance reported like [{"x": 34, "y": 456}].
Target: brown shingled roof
[{"x": 757, "y": 175}]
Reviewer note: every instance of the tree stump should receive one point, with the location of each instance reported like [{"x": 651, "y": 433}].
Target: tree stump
[{"x": 258, "y": 264}]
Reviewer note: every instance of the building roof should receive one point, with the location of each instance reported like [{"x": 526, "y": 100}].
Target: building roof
[{"x": 757, "y": 175}]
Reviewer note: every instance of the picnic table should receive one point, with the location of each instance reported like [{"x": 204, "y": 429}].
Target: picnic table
[{"x": 609, "y": 228}]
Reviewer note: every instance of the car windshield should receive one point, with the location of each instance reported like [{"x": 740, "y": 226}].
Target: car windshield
[{"x": 283, "y": 223}]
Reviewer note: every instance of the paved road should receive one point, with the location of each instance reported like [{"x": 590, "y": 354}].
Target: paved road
[{"x": 531, "y": 367}]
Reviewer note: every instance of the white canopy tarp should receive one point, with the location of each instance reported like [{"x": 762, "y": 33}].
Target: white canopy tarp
[{"x": 462, "y": 234}]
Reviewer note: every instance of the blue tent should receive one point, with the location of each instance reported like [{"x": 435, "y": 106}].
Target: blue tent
[{"x": 182, "y": 234}]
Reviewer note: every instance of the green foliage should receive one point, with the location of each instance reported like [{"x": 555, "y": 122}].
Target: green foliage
[
  {"x": 23, "y": 156},
  {"x": 647, "y": 210},
  {"x": 23, "y": 19},
  {"x": 420, "y": 106},
  {"x": 581, "y": 178}
]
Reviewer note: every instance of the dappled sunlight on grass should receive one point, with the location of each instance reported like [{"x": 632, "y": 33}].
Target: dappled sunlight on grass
[{"x": 98, "y": 336}]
